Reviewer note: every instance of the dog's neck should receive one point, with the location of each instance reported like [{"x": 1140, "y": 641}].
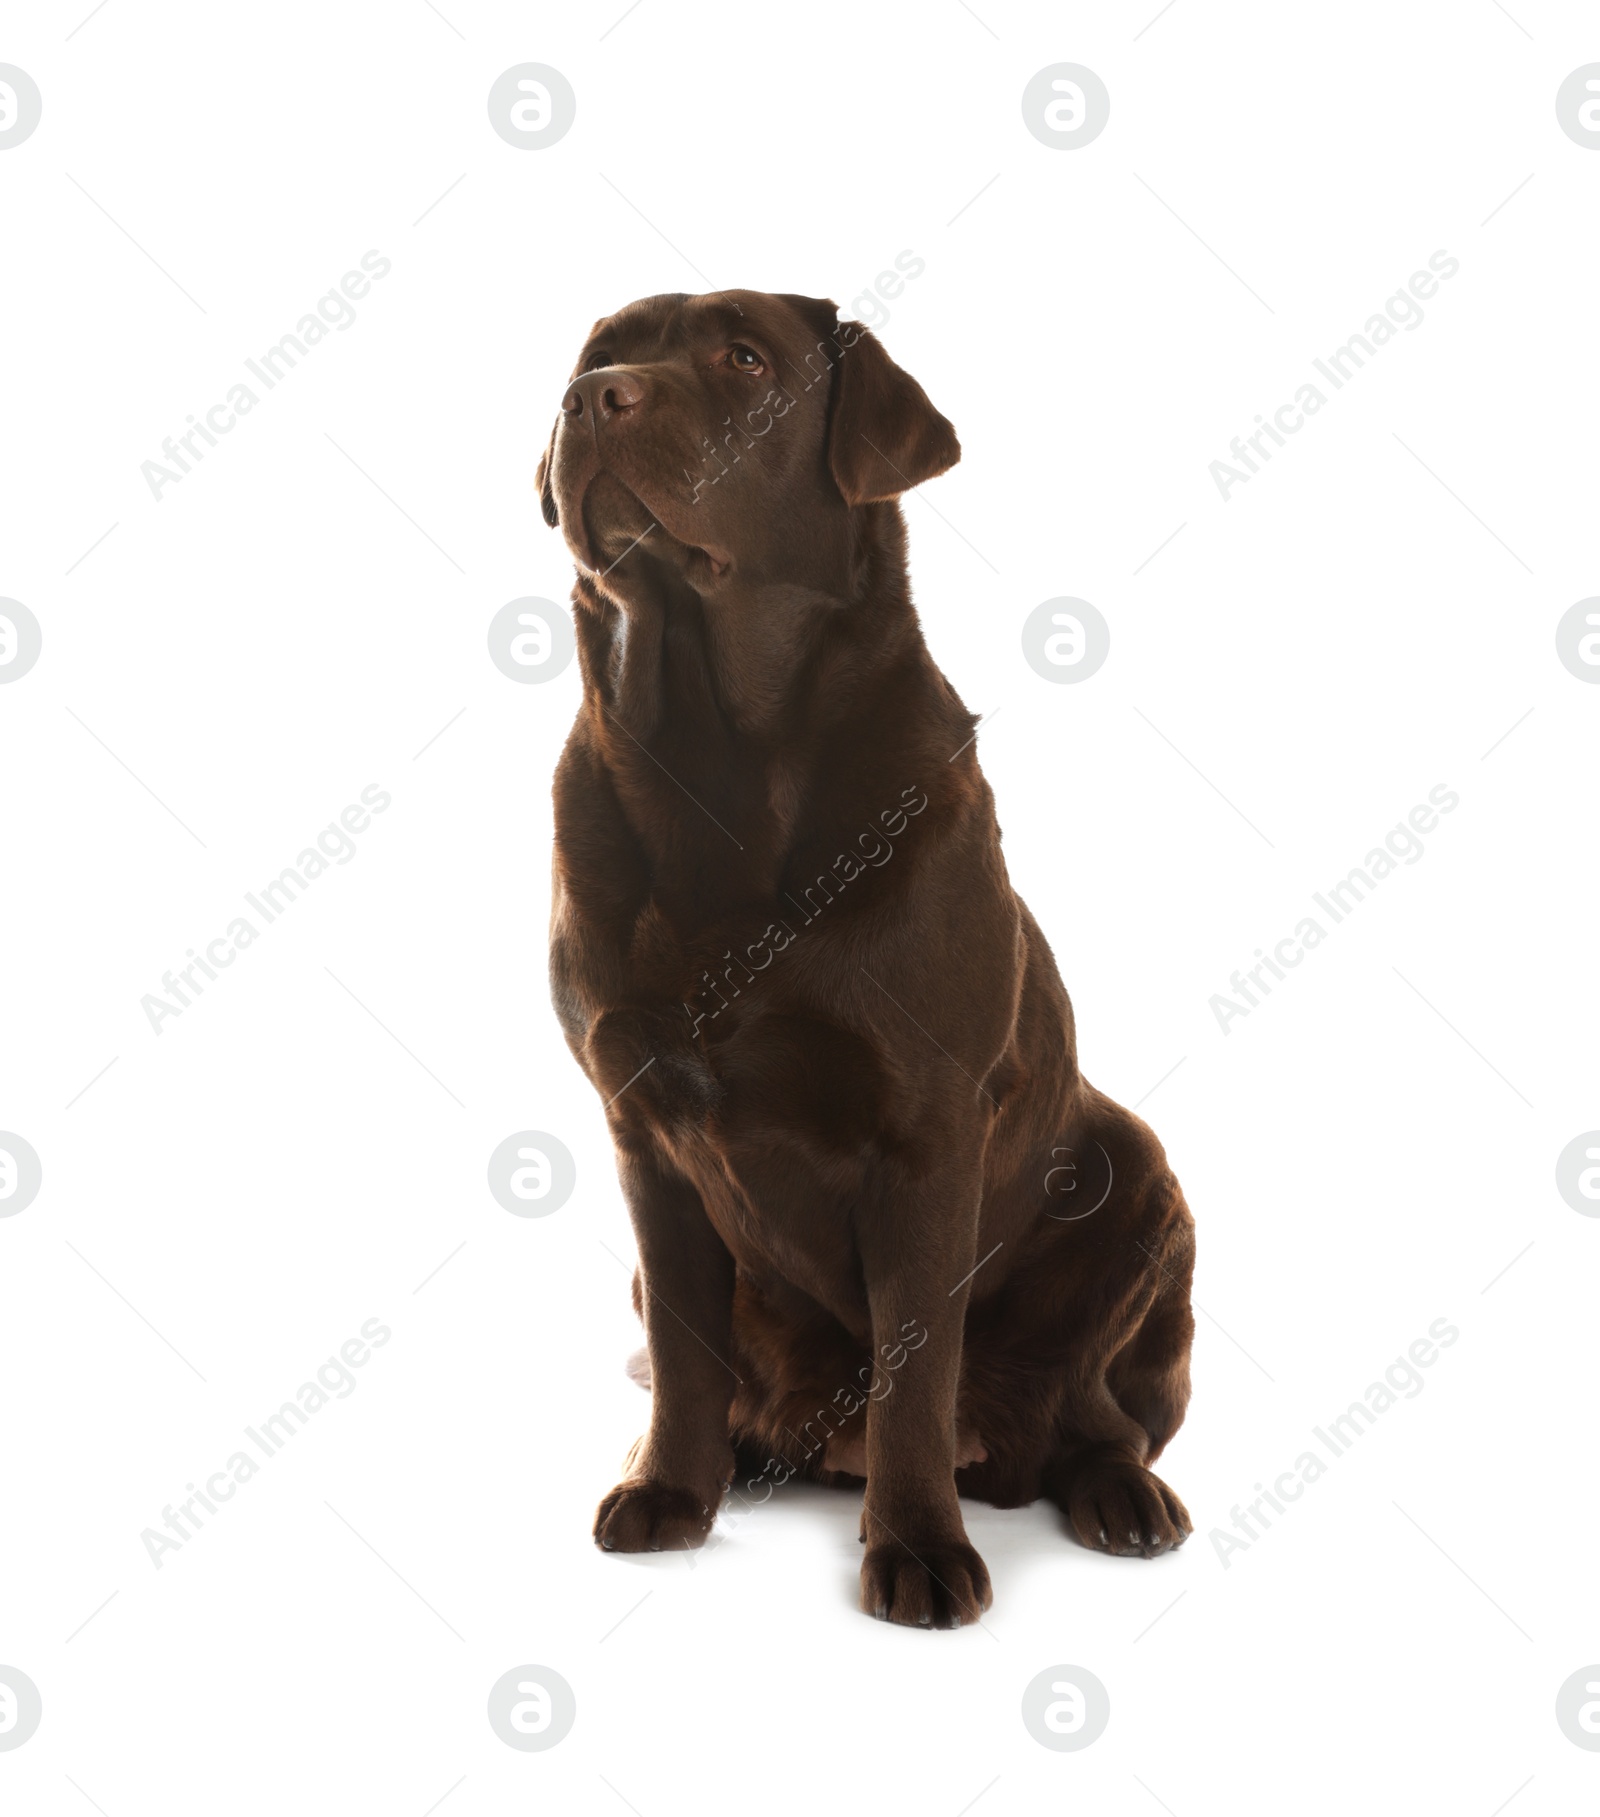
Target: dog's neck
[
  {"x": 727, "y": 717},
  {"x": 749, "y": 650}
]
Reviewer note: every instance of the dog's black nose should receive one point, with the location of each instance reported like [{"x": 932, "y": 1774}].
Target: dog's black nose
[{"x": 604, "y": 396}]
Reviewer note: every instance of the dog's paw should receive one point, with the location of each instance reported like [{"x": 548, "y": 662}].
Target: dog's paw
[
  {"x": 1123, "y": 1508},
  {"x": 646, "y": 1516},
  {"x": 942, "y": 1585}
]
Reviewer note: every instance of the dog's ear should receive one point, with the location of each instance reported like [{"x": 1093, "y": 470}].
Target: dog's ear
[
  {"x": 884, "y": 437},
  {"x": 541, "y": 480}
]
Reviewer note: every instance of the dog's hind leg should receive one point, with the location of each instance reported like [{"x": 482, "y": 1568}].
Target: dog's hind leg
[
  {"x": 1099, "y": 1474},
  {"x": 1120, "y": 1410}
]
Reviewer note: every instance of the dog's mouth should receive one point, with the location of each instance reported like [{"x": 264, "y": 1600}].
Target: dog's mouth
[
  {"x": 606, "y": 520},
  {"x": 614, "y": 544}
]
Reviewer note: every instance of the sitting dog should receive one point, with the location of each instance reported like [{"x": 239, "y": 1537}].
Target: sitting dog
[{"x": 886, "y": 1229}]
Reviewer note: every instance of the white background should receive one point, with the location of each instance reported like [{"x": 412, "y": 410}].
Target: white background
[{"x": 1365, "y": 1153}]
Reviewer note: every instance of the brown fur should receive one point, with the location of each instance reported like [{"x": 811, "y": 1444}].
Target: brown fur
[{"x": 885, "y": 1226}]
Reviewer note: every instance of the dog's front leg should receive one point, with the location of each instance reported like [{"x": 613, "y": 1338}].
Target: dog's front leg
[
  {"x": 677, "y": 1472},
  {"x": 917, "y": 1245}
]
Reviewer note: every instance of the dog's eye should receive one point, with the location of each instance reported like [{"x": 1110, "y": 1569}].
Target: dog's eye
[
  {"x": 744, "y": 359},
  {"x": 596, "y": 360}
]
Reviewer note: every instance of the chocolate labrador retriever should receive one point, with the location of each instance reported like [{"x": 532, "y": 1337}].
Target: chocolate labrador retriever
[{"x": 886, "y": 1228}]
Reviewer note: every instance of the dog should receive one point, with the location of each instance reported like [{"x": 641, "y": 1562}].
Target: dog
[{"x": 886, "y": 1229}]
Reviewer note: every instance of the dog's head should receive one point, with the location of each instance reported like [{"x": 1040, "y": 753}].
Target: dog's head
[{"x": 732, "y": 434}]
